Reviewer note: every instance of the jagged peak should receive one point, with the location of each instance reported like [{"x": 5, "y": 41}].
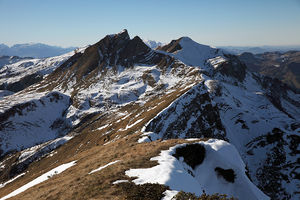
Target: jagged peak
[
  {"x": 123, "y": 31},
  {"x": 121, "y": 37},
  {"x": 140, "y": 42},
  {"x": 120, "y": 47},
  {"x": 112, "y": 50},
  {"x": 122, "y": 34}
]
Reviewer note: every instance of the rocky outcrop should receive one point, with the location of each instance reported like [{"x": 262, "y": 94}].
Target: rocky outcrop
[
  {"x": 171, "y": 47},
  {"x": 232, "y": 67},
  {"x": 278, "y": 168},
  {"x": 276, "y": 92},
  {"x": 22, "y": 83},
  {"x": 193, "y": 115},
  {"x": 112, "y": 51}
]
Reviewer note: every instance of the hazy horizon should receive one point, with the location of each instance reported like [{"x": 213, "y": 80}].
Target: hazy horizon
[
  {"x": 236, "y": 46},
  {"x": 216, "y": 23}
]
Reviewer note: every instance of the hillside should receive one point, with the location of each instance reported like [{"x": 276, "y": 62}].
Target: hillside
[
  {"x": 283, "y": 66},
  {"x": 119, "y": 120},
  {"x": 18, "y": 73},
  {"x": 5, "y": 60}
]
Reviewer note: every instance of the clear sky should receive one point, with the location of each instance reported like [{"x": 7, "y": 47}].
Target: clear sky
[{"x": 214, "y": 22}]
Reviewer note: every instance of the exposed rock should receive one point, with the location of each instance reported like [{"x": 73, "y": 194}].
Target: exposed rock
[
  {"x": 171, "y": 47},
  {"x": 271, "y": 174},
  {"x": 233, "y": 67},
  {"x": 22, "y": 83},
  {"x": 193, "y": 154},
  {"x": 191, "y": 116},
  {"x": 227, "y": 174}
]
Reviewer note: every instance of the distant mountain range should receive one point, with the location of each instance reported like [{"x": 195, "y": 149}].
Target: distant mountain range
[
  {"x": 283, "y": 66},
  {"x": 153, "y": 44},
  {"x": 39, "y": 50},
  {"x": 35, "y": 50},
  {"x": 239, "y": 49},
  {"x": 259, "y": 49}
]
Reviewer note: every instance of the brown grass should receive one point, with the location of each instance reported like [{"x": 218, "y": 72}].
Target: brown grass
[
  {"x": 88, "y": 149},
  {"x": 76, "y": 183}
]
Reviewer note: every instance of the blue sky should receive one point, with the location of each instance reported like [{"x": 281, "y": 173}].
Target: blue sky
[{"x": 214, "y": 22}]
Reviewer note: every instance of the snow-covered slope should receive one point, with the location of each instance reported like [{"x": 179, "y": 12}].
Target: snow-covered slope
[
  {"x": 191, "y": 52},
  {"x": 116, "y": 71},
  {"x": 125, "y": 86},
  {"x": 198, "y": 117},
  {"x": 82, "y": 91},
  {"x": 21, "y": 74},
  {"x": 36, "y": 121},
  {"x": 5, "y": 60},
  {"x": 261, "y": 123},
  {"x": 212, "y": 167}
]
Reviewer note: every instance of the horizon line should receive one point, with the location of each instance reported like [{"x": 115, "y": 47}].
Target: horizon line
[{"x": 75, "y": 46}]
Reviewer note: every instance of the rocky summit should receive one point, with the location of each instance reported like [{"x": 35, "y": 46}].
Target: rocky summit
[{"x": 119, "y": 120}]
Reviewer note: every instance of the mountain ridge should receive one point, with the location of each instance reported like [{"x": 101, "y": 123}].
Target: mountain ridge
[{"x": 125, "y": 103}]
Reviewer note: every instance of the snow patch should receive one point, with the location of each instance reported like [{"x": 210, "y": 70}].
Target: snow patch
[
  {"x": 215, "y": 62},
  {"x": 11, "y": 180},
  {"x": 40, "y": 150},
  {"x": 179, "y": 176},
  {"x": 133, "y": 124},
  {"x": 102, "y": 167},
  {"x": 169, "y": 194},
  {"x": 40, "y": 179},
  {"x": 120, "y": 181},
  {"x": 102, "y": 127}
]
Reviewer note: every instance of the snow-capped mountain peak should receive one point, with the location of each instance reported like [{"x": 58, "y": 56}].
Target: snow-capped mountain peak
[
  {"x": 153, "y": 44},
  {"x": 191, "y": 52}
]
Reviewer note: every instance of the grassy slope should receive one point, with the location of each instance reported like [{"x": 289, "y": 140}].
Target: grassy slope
[{"x": 88, "y": 149}]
